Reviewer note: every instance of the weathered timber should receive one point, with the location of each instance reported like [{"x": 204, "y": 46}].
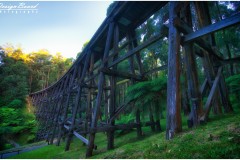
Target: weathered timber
[
  {"x": 132, "y": 71},
  {"x": 100, "y": 91},
  {"x": 183, "y": 27},
  {"x": 112, "y": 72},
  {"x": 230, "y": 61},
  {"x": 76, "y": 104},
  {"x": 66, "y": 106},
  {"x": 210, "y": 74},
  {"x": 77, "y": 100},
  {"x": 83, "y": 139},
  {"x": 112, "y": 103},
  {"x": 108, "y": 128},
  {"x": 211, "y": 94},
  {"x": 173, "y": 87},
  {"x": 204, "y": 87},
  {"x": 60, "y": 106},
  {"x": 139, "y": 48},
  {"x": 160, "y": 68},
  {"x": 119, "y": 110},
  {"x": 151, "y": 118},
  {"x": 228, "y": 22},
  {"x": 205, "y": 19},
  {"x": 193, "y": 85}
]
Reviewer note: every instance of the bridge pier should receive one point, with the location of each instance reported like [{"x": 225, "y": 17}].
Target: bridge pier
[{"x": 174, "y": 123}]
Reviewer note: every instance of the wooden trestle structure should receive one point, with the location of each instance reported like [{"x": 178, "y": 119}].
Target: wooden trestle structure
[{"x": 71, "y": 106}]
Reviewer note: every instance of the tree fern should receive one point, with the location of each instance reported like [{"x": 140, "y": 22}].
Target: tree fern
[{"x": 144, "y": 93}]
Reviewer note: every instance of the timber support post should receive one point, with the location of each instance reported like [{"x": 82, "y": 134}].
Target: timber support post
[
  {"x": 174, "y": 124},
  {"x": 100, "y": 92}
]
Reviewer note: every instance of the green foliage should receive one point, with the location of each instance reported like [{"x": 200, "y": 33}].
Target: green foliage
[
  {"x": 218, "y": 139},
  {"x": 11, "y": 121},
  {"x": 145, "y": 92},
  {"x": 20, "y": 74},
  {"x": 14, "y": 122},
  {"x": 126, "y": 119},
  {"x": 234, "y": 83},
  {"x": 7, "y": 146},
  {"x": 16, "y": 103},
  {"x": 13, "y": 81}
]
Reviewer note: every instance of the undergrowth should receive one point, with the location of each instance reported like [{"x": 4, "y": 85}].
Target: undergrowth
[{"x": 219, "y": 138}]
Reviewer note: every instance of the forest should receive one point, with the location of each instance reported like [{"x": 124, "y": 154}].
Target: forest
[
  {"x": 21, "y": 74},
  {"x": 25, "y": 73}
]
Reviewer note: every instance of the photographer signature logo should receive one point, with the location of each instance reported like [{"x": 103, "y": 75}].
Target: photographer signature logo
[{"x": 21, "y": 7}]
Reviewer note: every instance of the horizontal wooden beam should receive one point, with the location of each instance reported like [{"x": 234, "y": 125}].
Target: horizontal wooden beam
[
  {"x": 140, "y": 47},
  {"x": 228, "y": 22},
  {"x": 112, "y": 72},
  {"x": 126, "y": 126},
  {"x": 107, "y": 128},
  {"x": 149, "y": 123},
  {"x": 230, "y": 61},
  {"x": 91, "y": 77},
  {"x": 160, "y": 68},
  {"x": 183, "y": 27},
  {"x": 116, "y": 53}
]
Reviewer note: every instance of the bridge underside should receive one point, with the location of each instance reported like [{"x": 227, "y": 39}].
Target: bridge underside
[{"x": 91, "y": 95}]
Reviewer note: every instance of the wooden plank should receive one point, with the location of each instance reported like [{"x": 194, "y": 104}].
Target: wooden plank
[
  {"x": 77, "y": 100},
  {"x": 192, "y": 76},
  {"x": 193, "y": 85},
  {"x": 100, "y": 91},
  {"x": 204, "y": 19},
  {"x": 228, "y": 22},
  {"x": 231, "y": 61},
  {"x": 92, "y": 77},
  {"x": 127, "y": 126},
  {"x": 209, "y": 62},
  {"x": 132, "y": 71},
  {"x": 224, "y": 94},
  {"x": 59, "y": 108},
  {"x": 119, "y": 110},
  {"x": 112, "y": 100},
  {"x": 183, "y": 27},
  {"x": 112, "y": 72},
  {"x": 211, "y": 94},
  {"x": 132, "y": 36},
  {"x": 208, "y": 65},
  {"x": 204, "y": 86},
  {"x": 173, "y": 87},
  {"x": 107, "y": 128},
  {"x": 67, "y": 127},
  {"x": 139, "y": 48},
  {"x": 83, "y": 139},
  {"x": 66, "y": 104},
  {"x": 160, "y": 68}
]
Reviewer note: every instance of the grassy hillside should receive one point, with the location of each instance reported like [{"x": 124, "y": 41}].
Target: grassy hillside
[{"x": 219, "y": 138}]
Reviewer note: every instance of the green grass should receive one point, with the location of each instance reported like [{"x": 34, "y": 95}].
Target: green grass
[
  {"x": 23, "y": 147},
  {"x": 219, "y": 138}
]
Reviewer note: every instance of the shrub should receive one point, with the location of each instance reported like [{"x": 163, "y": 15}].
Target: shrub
[{"x": 16, "y": 103}]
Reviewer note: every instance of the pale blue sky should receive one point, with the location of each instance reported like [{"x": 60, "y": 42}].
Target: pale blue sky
[{"x": 58, "y": 26}]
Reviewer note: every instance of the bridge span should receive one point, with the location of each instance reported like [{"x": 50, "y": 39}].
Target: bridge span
[{"x": 76, "y": 103}]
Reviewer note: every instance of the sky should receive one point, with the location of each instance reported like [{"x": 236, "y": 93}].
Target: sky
[{"x": 56, "y": 26}]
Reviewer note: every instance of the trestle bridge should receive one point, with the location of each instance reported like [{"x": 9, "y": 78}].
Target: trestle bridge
[{"x": 73, "y": 105}]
